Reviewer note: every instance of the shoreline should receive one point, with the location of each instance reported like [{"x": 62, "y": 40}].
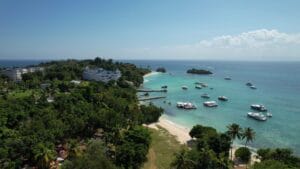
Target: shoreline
[
  {"x": 151, "y": 74},
  {"x": 182, "y": 134}
]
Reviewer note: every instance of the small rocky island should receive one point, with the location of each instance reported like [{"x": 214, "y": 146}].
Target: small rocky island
[
  {"x": 161, "y": 69},
  {"x": 199, "y": 71}
]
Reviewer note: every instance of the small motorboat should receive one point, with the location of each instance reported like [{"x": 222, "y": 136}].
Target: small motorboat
[
  {"x": 252, "y": 87},
  {"x": 227, "y": 78},
  {"x": 257, "y": 116},
  {"x": 223, "y": 98},
  {"x": 164, "y": 87},
  {"x": 269, "y": 114},
  {"x": 210, "y": 104},
  {"x": 185, "y": 105},
  {"x": 205, "y": 96},
  {"x": 198, "y": 87},
  {"x": 203, "y": 84},
  {"x": 258, "y": 107},
  {"x": 249, "y": 84},
  {"x": 184, "y": 87}
]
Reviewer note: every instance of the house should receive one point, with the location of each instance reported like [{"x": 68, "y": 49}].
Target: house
[
  {"x": 76, "y": 82},
  {"x": 15, "y": 74},
  {"x": 100, "y": 74}
]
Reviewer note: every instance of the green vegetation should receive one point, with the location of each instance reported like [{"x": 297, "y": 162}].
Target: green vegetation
[
  {"x": 161, "y": 69},
  {"x": 280, "y": 158},
  {"x": 199, "y": 71},
  {"x": 34, "y": 131},
  {"x": 162, "y": 149},
  {"x": 243, "y": 154},
  {"x": 150, "y": 113},
  {"x": 209, "y": 150}
]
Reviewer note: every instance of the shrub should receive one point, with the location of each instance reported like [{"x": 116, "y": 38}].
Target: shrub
[{"x": 243, "y": 153}]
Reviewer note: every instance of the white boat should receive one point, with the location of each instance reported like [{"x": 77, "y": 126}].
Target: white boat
[
  {"x": 198, "y": 87},
  {"x": 257, "y": 116},
  {"x": 210, "y": 104},
  {"x": 223, "y": 98},
  {"x": 253, "y": 87},
  {"x": 205, "y": 95},
  {"x": 258, "y": 107},
  {"x": 185, "y": 105},
  {"x": 184, "y": 87},
  {"x": 269, "y": 115}
]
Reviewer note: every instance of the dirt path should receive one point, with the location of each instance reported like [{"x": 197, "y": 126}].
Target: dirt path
[{"x": 152, "y": 159}]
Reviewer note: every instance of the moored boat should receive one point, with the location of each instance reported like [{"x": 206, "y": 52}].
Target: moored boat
[
  {"x": 253, "y": 87},
  {"x": 258, "y": 107},
  {"x": 205, "y": 95},
  {"x": 164, "y": 87},
  {"x": 185, "y": 105},
  {"x": 184, "y": 87},
  {"x": 210, "y": 104},
  {"x": 227, "y": 78},
  {"x": 269, "y": 114},
  {"x": 257, "y": 116},
  {"x": 249, "y": 84},
  {"x": 223, "y": 98},
  {"x": 198, "y": 87}
]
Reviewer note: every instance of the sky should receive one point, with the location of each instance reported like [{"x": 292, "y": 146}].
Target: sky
[{"x": 150, "y": 29}]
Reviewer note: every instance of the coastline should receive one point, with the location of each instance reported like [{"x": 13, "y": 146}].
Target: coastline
[
  {"x": 181, "y": 133},
  {"x": 151, "y": 74}
]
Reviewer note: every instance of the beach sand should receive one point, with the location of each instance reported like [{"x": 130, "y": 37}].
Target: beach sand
[
  {"x": 182, "y": 135},
  {"x": 180, "y": 132},
  {"x": 151, "y": 74}
]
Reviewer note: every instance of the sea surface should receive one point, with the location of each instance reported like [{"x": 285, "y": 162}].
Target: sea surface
[{"x": 278, "y": 88}]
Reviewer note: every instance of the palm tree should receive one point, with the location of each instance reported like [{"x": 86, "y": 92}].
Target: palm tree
[
  {"x": 248, "y": 134},
  {"x": 181, "y": 161},
  {"x": 44, "y": 156},
  {"x": 234, "y": 131}
]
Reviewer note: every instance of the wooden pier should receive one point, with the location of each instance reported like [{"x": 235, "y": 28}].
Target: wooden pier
[
  {"x": 151, "y": 98},
  {"x": 149, "y": 90}
]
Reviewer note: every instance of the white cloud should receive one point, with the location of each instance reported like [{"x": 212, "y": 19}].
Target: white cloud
[{"x": 260, "y": 44}]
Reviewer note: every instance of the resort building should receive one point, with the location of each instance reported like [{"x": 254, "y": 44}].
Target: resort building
[
  {"x": 100, "y": 74},
  {"x": 15, "y": 74}
]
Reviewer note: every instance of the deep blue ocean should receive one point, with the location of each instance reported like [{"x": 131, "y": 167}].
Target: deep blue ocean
[{"x": 278, "y": 88}]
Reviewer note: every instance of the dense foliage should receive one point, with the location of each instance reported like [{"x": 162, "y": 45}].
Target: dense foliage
[
  {"x": 34, "y": 130},
  {"x": 161, "y": 69},
  {"x": 199, "y": 71},
  {"x": 283, "y": 157},
  {"x": 209, "y": 150},
  {"x": 243, "y": 154},
  {"x": 150, "y": 113}
]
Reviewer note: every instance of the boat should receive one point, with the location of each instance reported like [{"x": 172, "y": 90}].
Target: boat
[
  {"x": 223, "y": 98},
  {"x": 249, "y": 84},
  {"x": 203, "y": 84},
  {"x": 185, "y": 105},
  {"x": 253, "y": 87},
  {"x": 227, "y": 78},
  {"x": 257, "y": 116},
  {"x": 210, "y": 104},
  {"x": 164, "y": 87},
  {"x": 258, "y": 107},
  {"x": 184, "y": 87},
  {"x": 198, "y": 87},
  {"x": 205, "y": 95},
  {"x": 269, "y": 114}
]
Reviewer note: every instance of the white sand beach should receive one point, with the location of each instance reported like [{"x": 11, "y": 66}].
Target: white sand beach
[
  {"x": 151, "y": 74},
  {"x": 182, "y": 133}
]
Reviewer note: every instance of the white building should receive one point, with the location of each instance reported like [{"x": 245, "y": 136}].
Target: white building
[
  {"x": 15, "y": 74},
  {"x": 99, "y": 74}
]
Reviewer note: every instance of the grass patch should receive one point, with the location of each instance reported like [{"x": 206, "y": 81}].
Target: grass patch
[{"x": 162, "y": 149}]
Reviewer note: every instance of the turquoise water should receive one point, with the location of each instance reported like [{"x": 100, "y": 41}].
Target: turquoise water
[{"x": 278, "y": 89}]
